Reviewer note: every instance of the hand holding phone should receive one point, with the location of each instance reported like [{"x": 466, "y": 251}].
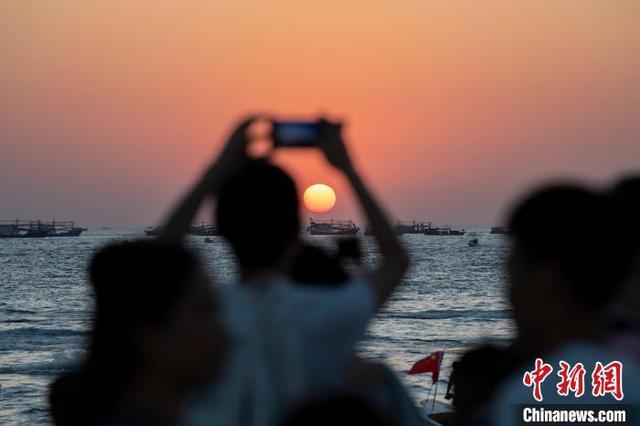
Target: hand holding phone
[{"x": 296, "y": 134}]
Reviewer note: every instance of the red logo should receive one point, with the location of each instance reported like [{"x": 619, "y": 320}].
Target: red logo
[
  {"x": 605, "y": 379},
  {"x": 536, "y": 377},
  {"x": 571, "y": 379}
]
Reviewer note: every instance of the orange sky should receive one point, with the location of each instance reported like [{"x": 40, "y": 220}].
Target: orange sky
[{"x": 108, "y": 109}]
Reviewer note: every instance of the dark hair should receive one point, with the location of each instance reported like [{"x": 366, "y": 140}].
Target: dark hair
[
  {"x": 487, "y": 360},
  {"x": 478, "y": 374},
  {"x": 133, "y": 282},
  {"x": 257, "y": 212},
  {"x": 313, "y": 265},
  {"x": 624, "y": 200},
  {"x": 570, "y": 226}
]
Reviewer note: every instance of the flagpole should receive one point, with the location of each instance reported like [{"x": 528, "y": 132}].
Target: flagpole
[{"x": 433, "y": 404}]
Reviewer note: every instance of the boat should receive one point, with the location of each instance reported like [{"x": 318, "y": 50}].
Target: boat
[
  {"x": 437, "y": 413},
  {"x": 152, "y": 231},
  {"x": 208, "y": 240},
  {"x": 332, "y": 227},
  {"x": 411, "y": 227},
  {"x": 38, "y": 229},
  {"x": 444, "y": 230},
  {"x": 473, "y": 242},
  {"x": 202, "y": 229},
  {"x": 500, "y": 230}
]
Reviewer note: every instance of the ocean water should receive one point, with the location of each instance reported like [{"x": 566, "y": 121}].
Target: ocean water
[{"x": 452, "y": 298}]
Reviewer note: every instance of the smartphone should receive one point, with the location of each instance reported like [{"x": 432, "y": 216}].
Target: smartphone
[{"x": 296, "y": 134}]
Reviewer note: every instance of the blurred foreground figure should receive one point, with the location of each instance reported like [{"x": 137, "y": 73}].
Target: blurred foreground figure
[
  {"x": 154, "y": 339},
  {"x": 564, "y": 271},
  {"x": 624, "y": 199},
  {"x": 289, "y": 342},
  {"x": 477, "y": 376},
  {"x": 373, "y": 382},
  {"x": 338, "y": 410}
]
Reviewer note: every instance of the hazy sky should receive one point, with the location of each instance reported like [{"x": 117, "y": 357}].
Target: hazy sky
[{"x": 109, "y": 109}]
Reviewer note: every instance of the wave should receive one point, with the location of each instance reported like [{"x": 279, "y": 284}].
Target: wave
[
  {"x": 59, "y": 362},
  {"x": 17, "y": 311},
  {"x": 31, "y": 332},
  {"x": 451, "y": 314}
]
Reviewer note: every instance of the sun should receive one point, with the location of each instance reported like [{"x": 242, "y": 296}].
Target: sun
[{"x": 319, "y": 198}]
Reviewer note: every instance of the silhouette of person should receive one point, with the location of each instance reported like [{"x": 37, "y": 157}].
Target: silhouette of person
[
  {"x": 154, "y": 338},
  {"x": 451, "y": 382},
  {"x": 563, "y": 272},
  {"x": 372, "y": 381},
  {"x": 475, "y": 378},
  {"x": 624, "y": 199},
  {"x": 289, "y": 341},
  {"x": 314, "y": 266},
  {"x": 338, "y": 410}
]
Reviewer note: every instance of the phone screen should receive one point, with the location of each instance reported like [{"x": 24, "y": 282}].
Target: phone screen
[{"x": 295, "y": 134}]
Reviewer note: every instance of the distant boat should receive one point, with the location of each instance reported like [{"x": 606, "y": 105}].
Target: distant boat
[
  {"x": 73, "y": 232},
  {"x": 208, "y": 240},
  {"x": 152, "y": 231},
  {"x": 444, "y": 230},
  {"x": 500, "y": 230},
  {"x": 473, "y": 242},
  {"x": 332, "y": 227},
  {"x": 205, "y": 228},
  {"x": 411, "y": 227},
  {"x": 38, "y": 229}
]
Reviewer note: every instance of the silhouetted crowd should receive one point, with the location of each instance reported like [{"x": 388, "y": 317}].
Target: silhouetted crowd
[{"x": 278, "y": 347}]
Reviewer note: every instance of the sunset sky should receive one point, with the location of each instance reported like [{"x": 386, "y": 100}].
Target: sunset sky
[{"x": 109, "y": 109}]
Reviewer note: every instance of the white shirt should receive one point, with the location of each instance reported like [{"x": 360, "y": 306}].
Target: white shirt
[{"x": 288, "y": 342}]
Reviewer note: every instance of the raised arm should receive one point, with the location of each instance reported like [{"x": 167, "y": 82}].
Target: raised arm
[
  {"x": 232, "y": 156},
  {"x": 395, "y": 261}
]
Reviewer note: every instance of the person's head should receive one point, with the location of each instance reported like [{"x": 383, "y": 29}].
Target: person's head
[
  {"x": 257, "y": 212},
  {"x": 154, "y": 319},
  {"x": 562, "y": 268},
  {"x": 624, "y": 199},
  {"x": 478, "y": 375},
  {"x": 313, "y": 265}
]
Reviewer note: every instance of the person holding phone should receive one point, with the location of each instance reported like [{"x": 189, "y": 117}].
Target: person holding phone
[{"x": 289, "y": 341}]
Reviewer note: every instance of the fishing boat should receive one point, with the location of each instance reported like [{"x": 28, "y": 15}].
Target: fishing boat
[
  {"x": 411, "y": 227},
  {"x": 152, "y": 231},
  {"x": 473, "y": 242},
  {"x": 38, "y": 229},
  {"x": 204, "y": 229},
  {"x": 500, "y": 230},
  {"x": 444, "y": 230},
  {"x": 332, "y": 227}
]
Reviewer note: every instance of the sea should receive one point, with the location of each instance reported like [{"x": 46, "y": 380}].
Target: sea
[{"x": 451, "y": 299}]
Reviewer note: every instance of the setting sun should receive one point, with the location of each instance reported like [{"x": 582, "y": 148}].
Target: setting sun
[{"x": 319, "y": 198}]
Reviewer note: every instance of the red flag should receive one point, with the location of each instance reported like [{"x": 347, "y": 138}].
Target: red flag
[{"x": 430, "y": 364}]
